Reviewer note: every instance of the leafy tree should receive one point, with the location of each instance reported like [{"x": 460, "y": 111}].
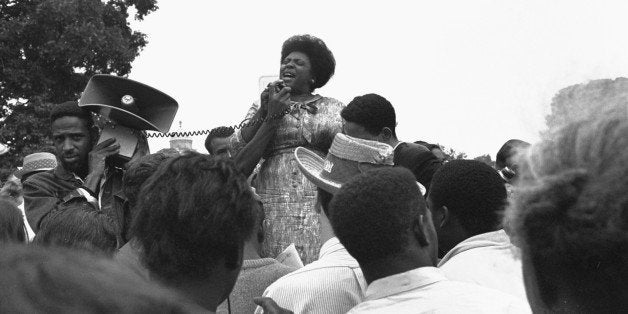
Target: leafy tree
[
  {"x": 48, "y": 51},
  {"x": 582, "y": 101},
  {"x": 486, "y": 159},
  {"x": 451, "y": 154}
]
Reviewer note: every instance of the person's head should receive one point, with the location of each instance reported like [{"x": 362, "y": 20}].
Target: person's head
[
  {"x": 135, "y": 175},
  {"x": 56, "y": 280},
  {"x": 434, "y": 148},
  {"x": 34, "y": 163},
  {"x": 370, "y": 117},
  {"x": 13, "y": 189},
  {"x": 193, "y": 216},
  {"x": 506, "y": 158},
  {"x": 73, "y": 135},
  {"x": 12, "y": 227},
  {"x": 380, "y": 216},
  {"x": 77, "y": 225},
  {"x": 466, "y": 198},
  {"x": 570, "y": 218},
  {"x": 306, "y": 63},
  {"x": 217, "y": 141}
]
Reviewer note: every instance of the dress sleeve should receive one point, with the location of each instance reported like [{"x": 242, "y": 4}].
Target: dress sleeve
[{"x": 236, "y": 142}]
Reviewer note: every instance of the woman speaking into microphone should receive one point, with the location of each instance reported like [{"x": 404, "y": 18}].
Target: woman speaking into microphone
[{"x": 293, "y": 116}]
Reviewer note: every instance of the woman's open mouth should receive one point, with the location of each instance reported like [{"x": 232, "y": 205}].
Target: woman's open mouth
[{"x": 287, "y": 75}]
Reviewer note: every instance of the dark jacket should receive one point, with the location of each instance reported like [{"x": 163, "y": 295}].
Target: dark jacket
[{"x": 44, "y": 190}]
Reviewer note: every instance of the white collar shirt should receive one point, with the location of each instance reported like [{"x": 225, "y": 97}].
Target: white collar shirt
[
  {"x": 332, "y": 284},
  {"x": 489, "y": 260},
  {"x": 427, "y": 290}
]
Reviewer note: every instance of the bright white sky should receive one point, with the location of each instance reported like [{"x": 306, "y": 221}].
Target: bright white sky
[{"x": 465, "y": 74}]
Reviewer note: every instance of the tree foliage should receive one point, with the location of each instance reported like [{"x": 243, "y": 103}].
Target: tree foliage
[
  {"x": 582, "y": 101},
  {"x": 486, "y": 159},
  {"x": 451, "y": 154},
  {"x": 48, "y": 51}
]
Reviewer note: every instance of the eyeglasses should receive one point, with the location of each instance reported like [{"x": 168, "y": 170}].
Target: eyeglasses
[{"x": 507, "y": 174}]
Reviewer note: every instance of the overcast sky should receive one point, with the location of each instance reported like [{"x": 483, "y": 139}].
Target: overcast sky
[{"x": 465, "y": 74}]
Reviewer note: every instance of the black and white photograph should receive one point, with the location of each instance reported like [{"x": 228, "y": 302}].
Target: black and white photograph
[{"x": 361, "y": 157}]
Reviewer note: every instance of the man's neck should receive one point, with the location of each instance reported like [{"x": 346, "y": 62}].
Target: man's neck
[
  {"x": 393, "y": 141},
  {"x": 394, "y": 265},
  {"x": 251, "y": 249},
  {"x": 202, "y": 294},
  {"x": 80, "y": 172}
]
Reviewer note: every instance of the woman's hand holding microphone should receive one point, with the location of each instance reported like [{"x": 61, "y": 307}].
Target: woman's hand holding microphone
[{"x": 275, "y": 99}]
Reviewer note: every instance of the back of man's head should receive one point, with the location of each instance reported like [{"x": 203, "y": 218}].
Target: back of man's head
[
  {"x": 56, "y": 280},
  {"x": 194, "y": 214},
  {"x": 474, "y": 194},
  {"x": 136, "y": 174},
  {"x": 373, "y": 213},
  {"x": 71, "y": 109},
  {"x": 78, "y": 226},
  {"x": 510, "y": 149},
  {"x": 371, "y": 111}
]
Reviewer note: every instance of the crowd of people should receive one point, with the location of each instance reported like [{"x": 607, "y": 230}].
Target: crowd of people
[{"x": 314, "y": 206}]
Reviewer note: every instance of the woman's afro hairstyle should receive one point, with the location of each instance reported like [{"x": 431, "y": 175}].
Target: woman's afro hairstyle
[{"x": 321, "y": 58}]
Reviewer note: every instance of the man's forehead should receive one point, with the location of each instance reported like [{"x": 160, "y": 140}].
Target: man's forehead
[{"x": 69, "y": 125}]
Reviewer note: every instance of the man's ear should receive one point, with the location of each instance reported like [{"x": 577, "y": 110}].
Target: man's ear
[
  {"x": 420, "y": 230},
  {"x": 318, "y": 206},
  {"x": 386, "y": 134},
  {"x": 441, "y": 216}
]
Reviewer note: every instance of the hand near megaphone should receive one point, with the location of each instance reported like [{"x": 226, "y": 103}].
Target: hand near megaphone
[{"x": 97, "y": 161}]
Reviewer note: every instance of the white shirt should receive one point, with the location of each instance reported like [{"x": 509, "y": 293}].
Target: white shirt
[
  {"x": 489, "y": 260},
  {"x": 30, "y": 233},
  {"x": 427, "y": 290},
  {"x": 332, "y": 284}
]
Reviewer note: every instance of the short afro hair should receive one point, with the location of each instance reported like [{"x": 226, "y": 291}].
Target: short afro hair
[
  {"x": 77, "y": 225},
  {"x": 193, "y": 212},
  {"x": 60, "y": 280},
  {"x": 372, "y": 213},
  {"x": 509, "y": 149},
  {"x": 321, "y": 58},
  {"x": 219, "y": 132},
  {"x": 371, "y": 111},
  {"x": 71, "y": 109},
  {"x": 472, "y": 191}
]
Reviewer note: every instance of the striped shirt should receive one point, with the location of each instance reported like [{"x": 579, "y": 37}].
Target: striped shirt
[{"x": 332, "y": 284}]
